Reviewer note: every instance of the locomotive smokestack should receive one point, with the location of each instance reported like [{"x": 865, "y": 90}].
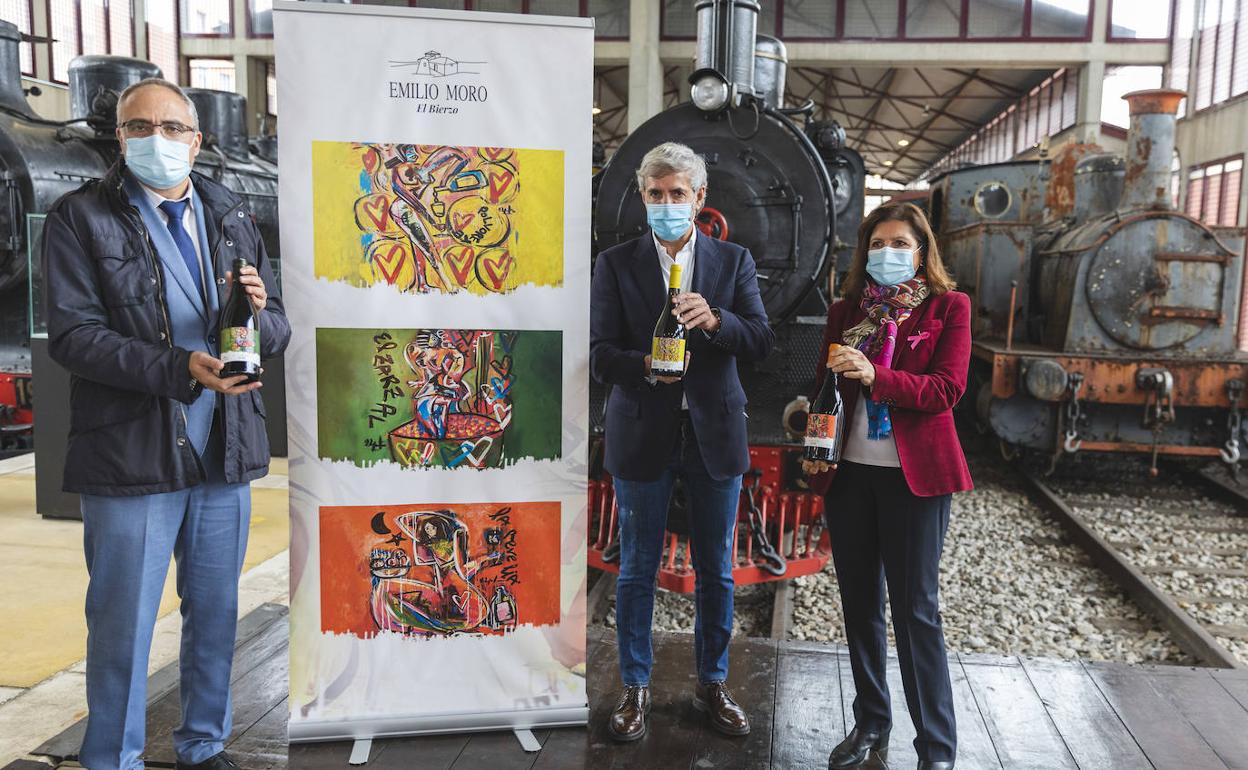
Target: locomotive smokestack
[
  {"x": 723, "y": 69},
  {"x": 1150, "y": 147},
  {"x": 11, "y": 95}
]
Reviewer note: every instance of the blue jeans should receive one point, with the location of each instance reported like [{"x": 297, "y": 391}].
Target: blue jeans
[
  {"x": 643, "y": 524},
  {"x": 128, "y": 542}
]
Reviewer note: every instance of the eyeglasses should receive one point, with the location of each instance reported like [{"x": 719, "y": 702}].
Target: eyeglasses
[{"x": 170, "y": 129}]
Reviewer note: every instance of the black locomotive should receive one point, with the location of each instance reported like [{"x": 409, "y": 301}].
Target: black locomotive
[
  {"x": 41, "y": 160},
  {"x": 778, "y": 182}
]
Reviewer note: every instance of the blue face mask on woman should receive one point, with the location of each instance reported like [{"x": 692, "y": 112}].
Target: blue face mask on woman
[
  {"x": 669, "y": 221},
  {"x": 158, "y": 162},
  {"x": 889, "y": 266}
]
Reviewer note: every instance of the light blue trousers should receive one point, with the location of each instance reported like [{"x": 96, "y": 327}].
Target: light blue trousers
[{"x": 128, "y": 542}]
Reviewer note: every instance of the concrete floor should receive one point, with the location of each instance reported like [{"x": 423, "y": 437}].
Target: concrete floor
[{"x": 43, "y": 582}]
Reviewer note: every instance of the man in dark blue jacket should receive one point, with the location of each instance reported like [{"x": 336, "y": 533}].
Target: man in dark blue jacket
[
  {"x": 161, "y": 449},
  {"x": 659, "y": 429}
]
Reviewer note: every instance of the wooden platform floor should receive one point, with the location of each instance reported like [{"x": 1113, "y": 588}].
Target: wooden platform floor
[{"x": 1011, "y": 713}]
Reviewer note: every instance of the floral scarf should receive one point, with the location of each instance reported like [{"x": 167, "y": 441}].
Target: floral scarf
[{"x": 887, "y": 307}]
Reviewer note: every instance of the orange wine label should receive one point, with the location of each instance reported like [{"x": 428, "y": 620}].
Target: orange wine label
[
  {"x": 821, "y": 430},
  {"x": 667, "y": 354}
]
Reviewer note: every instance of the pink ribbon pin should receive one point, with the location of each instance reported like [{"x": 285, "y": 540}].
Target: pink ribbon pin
[{"x": 915, "y": 339}]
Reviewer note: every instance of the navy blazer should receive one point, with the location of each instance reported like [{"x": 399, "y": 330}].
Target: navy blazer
[{"x": 643, "y": 420}]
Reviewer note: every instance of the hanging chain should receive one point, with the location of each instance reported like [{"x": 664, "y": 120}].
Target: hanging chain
[{"x": 1074, "y": 413}]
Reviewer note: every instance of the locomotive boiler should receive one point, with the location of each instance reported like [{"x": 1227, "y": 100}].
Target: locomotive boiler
[
  {"x": 1104, "y": 320},
  {"x": 787, "y": 187},
  {"x": 41, "y": 160}
]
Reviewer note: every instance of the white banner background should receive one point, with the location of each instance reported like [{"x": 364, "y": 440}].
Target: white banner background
[{"x": 334, "y": 85}]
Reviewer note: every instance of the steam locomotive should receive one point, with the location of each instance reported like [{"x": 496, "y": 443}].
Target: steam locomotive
[
  {"x": 1104, "y": 320},
  {"x": 787, "y": 187},
  {"x": 41, "y": 160}
]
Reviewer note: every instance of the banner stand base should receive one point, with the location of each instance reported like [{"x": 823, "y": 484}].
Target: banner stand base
[
  {"x": 528, "y": 741},
  {"x": 360, "y": 751}
]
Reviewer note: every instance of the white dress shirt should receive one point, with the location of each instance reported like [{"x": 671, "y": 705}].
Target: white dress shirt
[{"x": 188, "y": 223}]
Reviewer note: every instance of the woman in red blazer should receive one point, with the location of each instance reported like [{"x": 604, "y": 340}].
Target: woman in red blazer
[{"x": 905, "y": 346}]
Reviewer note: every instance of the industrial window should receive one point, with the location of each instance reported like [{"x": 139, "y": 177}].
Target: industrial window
[
  {"x": 1003, "y": 20},
  {"x": 1140, "y": 19},
  {"x": 19, "y": 12},
  {"x": 1219, "y": 76},
  {"x": 1213, "y": 192},
  {"x": 260, "y": 18},
  {"x": 1179, "y": 70},
  {"x": 206, "y": 18},
  {"x": 1047, "y": 109},
  {"x": 162, "y": 38},
  {"x": 270, "y": 90},
  {"x": 217, "y": 74}
]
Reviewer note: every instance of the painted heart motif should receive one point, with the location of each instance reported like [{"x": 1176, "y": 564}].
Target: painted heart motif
[
  {"x": 497, "y": 268},
  {"x": 454, "y": 457},
  {"x": 502, "y": 366},
  {"x": 371, "y": 161},
  {"x": 426, "y": 453},
  {"x": 495, "y": 153},
  {"x": 477, "y": 456},
  {"x": 461, "y": 601},
  {"x": 377, "y": 209},
  {"x": 502, "y": 413},
  {"x": 461, "y": 220},
  {"x": 461, "y": 260},
  {"x": 389, "y": 258},
  {"x": 501, "y": 386},
  {"x": 500, "y": 183}
]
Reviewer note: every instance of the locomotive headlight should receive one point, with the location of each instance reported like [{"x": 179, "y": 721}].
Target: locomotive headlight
[{"x": 710, "y": 92}]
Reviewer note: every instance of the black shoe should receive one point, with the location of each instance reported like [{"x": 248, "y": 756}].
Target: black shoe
[
  {"x": 945, "y": 764},
  {"x": 219, "y": 761},
  {"x": 853, "y": 751}
]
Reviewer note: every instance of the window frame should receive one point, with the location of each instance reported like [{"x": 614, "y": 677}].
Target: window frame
[
  {"x": 108, "y": 36},
  {"x": 181, "y": 76},
  {"x": 1223, "y": 196},
  {"x": 202, "y": 35},
  {"x": 1109, "y": 26},
  {"x": 1235, "y": 49},
  {"x": 251, "y": 32}
]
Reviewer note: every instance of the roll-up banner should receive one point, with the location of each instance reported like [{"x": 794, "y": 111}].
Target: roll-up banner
[{"x": 435, "y": 224}]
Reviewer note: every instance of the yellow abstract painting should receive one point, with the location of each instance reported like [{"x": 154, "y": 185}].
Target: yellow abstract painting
[{"x": 437, "y": 218}]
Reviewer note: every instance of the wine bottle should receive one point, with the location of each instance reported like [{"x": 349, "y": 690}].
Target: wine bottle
[
  {"x": 667, "y": 353},
  {"x": 824, "y": 426},
  {"x": 240, "y": 331}
]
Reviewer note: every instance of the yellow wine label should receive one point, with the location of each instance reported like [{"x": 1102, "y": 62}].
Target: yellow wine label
[
  {"x": 667, "y": 355},
  {"x": 821, "y": 430}
]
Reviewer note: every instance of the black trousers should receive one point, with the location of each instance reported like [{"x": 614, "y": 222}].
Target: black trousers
[{"x": 883, "y": 534}]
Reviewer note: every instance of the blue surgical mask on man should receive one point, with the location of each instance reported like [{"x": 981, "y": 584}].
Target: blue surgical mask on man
[
  {"x": 158, "y": 162},
  {"x": 669, "y": 221},
  {"x": 889, "y": 266}
]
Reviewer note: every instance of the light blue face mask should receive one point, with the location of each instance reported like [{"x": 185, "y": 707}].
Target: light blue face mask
[
  {"x": 158, "y": 162},
  {"x": 889, "y": 266},
  {"x": 670, "y": 221}
]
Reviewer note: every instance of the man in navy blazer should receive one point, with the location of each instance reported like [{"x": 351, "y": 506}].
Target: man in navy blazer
[{"x": 659, "y": 429}]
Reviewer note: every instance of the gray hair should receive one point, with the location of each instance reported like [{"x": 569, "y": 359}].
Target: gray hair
[
  {"x": 162, "y": 83},
  {"x": 672, "y": 158}
]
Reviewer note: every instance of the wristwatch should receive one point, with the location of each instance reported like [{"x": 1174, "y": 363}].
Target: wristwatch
[{"x": 196, "y": 387}]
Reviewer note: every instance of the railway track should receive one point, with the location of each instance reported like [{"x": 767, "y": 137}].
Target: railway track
[{"x": 1149, "y": 543}]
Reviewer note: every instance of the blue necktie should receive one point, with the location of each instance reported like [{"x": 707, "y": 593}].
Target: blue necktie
[{"x": 174, "y": 210}]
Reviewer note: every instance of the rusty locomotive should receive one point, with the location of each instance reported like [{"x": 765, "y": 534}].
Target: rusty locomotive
[
  {"x": 1104, "y": 320},
  {"x": 40, "y": 160}
]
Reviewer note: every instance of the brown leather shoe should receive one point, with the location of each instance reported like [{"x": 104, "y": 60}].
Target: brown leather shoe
[
  {"x": 628, "y": 720},
  {"x": 726, "y": 716}
]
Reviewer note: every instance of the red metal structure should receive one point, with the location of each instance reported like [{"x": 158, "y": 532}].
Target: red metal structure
[{"x": 791, "y": 518}]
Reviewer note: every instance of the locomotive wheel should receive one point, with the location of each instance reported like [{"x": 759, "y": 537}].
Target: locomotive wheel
[{"x": 712, "y": 222}]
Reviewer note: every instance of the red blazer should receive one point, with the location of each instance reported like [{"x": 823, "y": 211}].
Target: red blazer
[{"x": 927, "y": 379}]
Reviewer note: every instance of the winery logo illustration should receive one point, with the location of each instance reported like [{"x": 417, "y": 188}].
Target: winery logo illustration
[
  {"x": 437, "y": 218},
  {"x": 434, "y": 64},
  {"x": 444, "y": 398},
  {"x": 430, "y": 570}
]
